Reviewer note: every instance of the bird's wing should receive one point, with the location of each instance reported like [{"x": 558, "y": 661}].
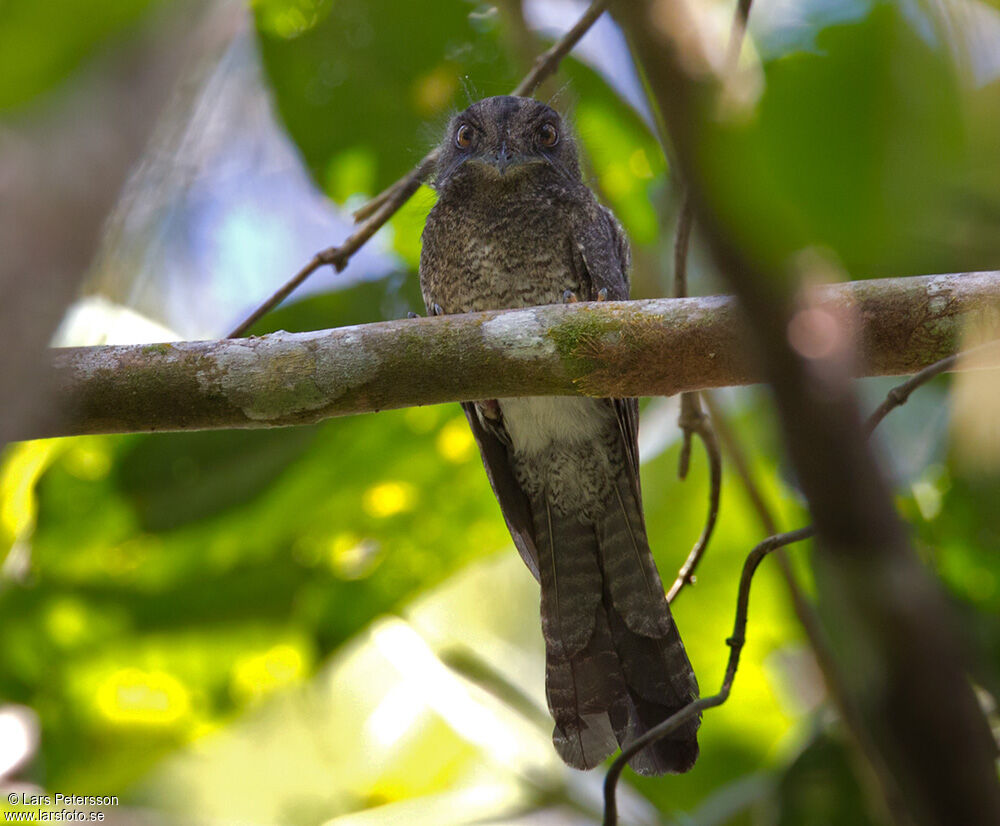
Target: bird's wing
[
  {"x": 493, "y": 442},
  {"x": 601, "y": 254},
  {"x": 601, "y": 259}
]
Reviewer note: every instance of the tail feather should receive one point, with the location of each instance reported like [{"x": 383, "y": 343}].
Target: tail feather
[
  {"x": 637, "y": 594},
  {"x": 570, "y": 580},
  {"x": 583, "y": 679},
  {"x": 588, "y": 698},
  {"x": 651, "y": 675},
  {"x": 675, "y": 754},
  {"x": 615, "y": 663},
  {"x": 629, "y": 570}
]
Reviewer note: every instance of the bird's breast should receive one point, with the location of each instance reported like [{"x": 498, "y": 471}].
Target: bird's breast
[
  {"x": 534, "y": 423},
  {"x": 561, "y": 449},
  {"x": 496, "y": 256}
]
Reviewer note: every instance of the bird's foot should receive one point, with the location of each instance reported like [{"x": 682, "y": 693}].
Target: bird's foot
[
  {"x": 602, "y": 294},
  {"x": 412, "y": 314},
  {"x": 569, "y": 297},
  {"x": 489, "y": 409},
  {"x": 436, "y": 309}
]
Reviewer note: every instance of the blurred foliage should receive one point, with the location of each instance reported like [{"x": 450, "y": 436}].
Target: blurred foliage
[
  {"x": 821, "y": 787},
  {"x": 414, "y": 61},
  {"x": 42, "y": 43},
  {"x": 864, "y": 138},
  {"x": 297, "y": 624}
]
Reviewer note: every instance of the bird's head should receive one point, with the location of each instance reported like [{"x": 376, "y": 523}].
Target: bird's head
[{"x": 502, "y": 138}]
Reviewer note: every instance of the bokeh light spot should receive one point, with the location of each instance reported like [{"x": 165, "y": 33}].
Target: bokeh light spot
[
  {"x": 66, "y": 621},
  {"x": 389, "y": 498},
  {"x": 638, "y": 163},
  {"x": 257, "y": 675},
  {"x": 133, "y": 697},
  {"x": 352, "y": 557},
  {"x": 455, "y": 442},
  {"x": 433, "y": 91}
]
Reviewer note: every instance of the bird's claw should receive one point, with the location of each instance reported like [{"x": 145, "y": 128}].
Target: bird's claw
[
  {"x": 602, "y": 294},
  {"x": 569, "y": 297},
  {"x": 412, "y": 314},
  {"x": 489, "y": 408},
  {"x": 436, "y": 309}
]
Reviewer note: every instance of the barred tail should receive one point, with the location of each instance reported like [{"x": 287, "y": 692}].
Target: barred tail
[{"x": 615, "y": 663}]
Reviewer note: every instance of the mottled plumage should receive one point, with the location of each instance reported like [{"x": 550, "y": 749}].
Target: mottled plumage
[{"x": 515, "y": 226}]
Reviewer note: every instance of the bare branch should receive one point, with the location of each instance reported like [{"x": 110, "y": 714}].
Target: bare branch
[
  {"x": 900, "y": 394},
  {"x": 616, "y": 349},
  {"x": 338, "y": 256},
  {"x": 548, "y": 62},
  {"x": 374, "y": 214},
  {"x": 703, "y": 428}
]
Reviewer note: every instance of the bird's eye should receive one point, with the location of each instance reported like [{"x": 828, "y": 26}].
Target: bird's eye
[
  {"x": 463, "y": 137},
  {"x": 548, "y": 135}
]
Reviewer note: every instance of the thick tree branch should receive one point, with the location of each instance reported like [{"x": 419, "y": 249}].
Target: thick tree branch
[{"x": 657, "y": 347}]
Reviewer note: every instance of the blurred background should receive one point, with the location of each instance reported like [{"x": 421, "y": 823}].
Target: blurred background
[{"x": 330, "y": 623}]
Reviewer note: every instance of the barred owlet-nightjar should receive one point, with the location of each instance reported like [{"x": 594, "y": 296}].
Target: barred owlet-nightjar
[{"x": 515, "y": 226}]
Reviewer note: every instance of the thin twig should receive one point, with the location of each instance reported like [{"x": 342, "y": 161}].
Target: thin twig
[
  {"x": 896, "y": 397},
  {"x": 735, "y": 643},
  {"x": 703, "y": 427},
  {"x": 337, "y": 257},
  {"x": 547, "y": 63},
  {"x": 374, "y": 214},
  {"x": 901, "y": 393},
  {"x": 419, "y": 173}
]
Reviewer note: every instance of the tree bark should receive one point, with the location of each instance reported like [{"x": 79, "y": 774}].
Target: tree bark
[{"x": 656, "y": 347}]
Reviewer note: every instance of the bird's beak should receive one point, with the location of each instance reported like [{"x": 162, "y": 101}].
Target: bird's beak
[{"x": 503, "y": 159}]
